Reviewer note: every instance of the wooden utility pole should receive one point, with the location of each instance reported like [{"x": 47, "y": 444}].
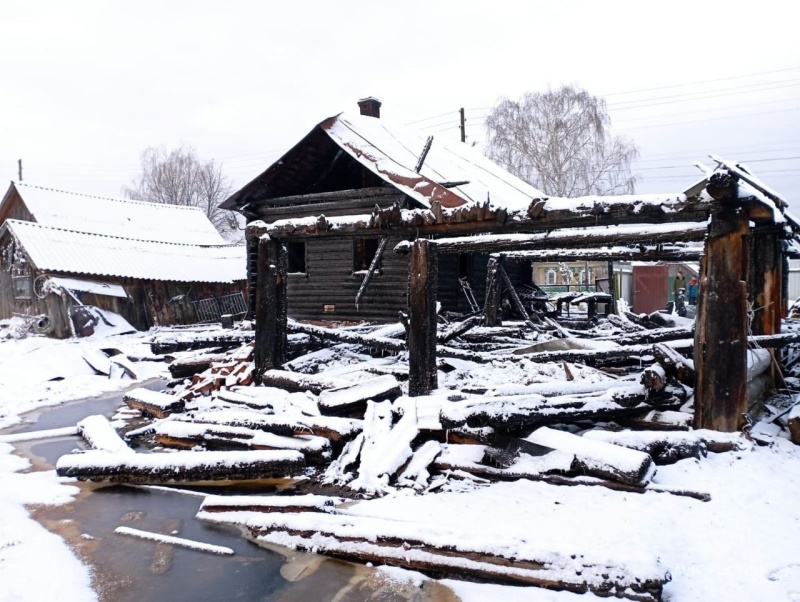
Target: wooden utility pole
[
  {"x": 19, "y": 169},
  {"x": 720, "y": 348},
  {"x": 463, "y": 125},
  {"x": 422, "y": 283}
]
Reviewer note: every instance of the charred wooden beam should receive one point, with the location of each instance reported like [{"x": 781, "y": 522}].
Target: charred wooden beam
[
  {"x": 674, "y": 364},
  {"x": 491, "y": 305},
  {"x": 647, "y": 234},
  {"x": 515, "y": 298},
  {"x": 294, "y": 381},
  {"x": 343, "y": 336},
  {"x": 457, "y": 329},
  {"x": 271, "y": 306},
  {"x": 721, "y": 334},
  {"x": 153, "y": 403},
  {"x": 173, "y": 343},
  {"x": 422, "y": 284},
  {"x": 181, "y": 466},
  {"x": 665, "y": 252}
]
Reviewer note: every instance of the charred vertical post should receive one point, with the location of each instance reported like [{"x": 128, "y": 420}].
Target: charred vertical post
[
  {"x": 491, "y": 306},
  {"x": 271, "y": 306},
  {"x": 766, "y": 279},
  {"x": 422, "y": 284},
  {"x": 721, "y": 332},
  {"x": 612, "y": 288}
]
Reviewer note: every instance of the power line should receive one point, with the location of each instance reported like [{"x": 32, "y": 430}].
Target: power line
[{"x": 429, "y": 118}]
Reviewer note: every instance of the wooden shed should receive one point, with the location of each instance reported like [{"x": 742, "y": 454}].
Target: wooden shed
[{"x": 152, "y": 264}]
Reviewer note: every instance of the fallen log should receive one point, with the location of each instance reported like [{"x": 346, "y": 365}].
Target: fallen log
[
  {"x": 153, "y": 403},
  {"x": 674, "y": 364},
  {"x": 624, "y": 324},
  {"x": 188, "y": 435},
  {"x": 657, "y": 335},
  {"x": 354, "y": 396},
  {"x": 343, "y": 336},
  {"x": 486, "y": 334},
  {"x": 794, "y": 424},
  {"x": 598, "y": 457},
  {"x": 189, "y": 366},
  {"x": 457, "y": 329},
  {"x": 171, "y": 343},
  {"x": 416, "y": 474},
  {"x": 286, "y": 424},
  {"x": 552, "y": 468},
  {"x": 656, "y": 420},
  {"x": 175, "y": 541},
  {"x": 420, "y": 546},
  {"x": 668, "y": 447},
  {"x": 510, "y": 413},
  {"x": 181, "y": 466},
  {"x": 292, "y": 381}
]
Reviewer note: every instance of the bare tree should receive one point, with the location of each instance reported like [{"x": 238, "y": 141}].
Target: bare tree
[
  {"x": 559, "y": 142},
  {"x": 178, "y": 177}
]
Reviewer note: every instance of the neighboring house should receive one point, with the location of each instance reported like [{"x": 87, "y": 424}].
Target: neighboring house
[
  {"x": 153, "y": 264},
  {"x": 350, "y": 164},
  {"x": 556, "y": 277}
]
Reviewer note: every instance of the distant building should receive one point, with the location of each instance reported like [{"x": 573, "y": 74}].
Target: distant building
[{"x": 154, "y": 264}]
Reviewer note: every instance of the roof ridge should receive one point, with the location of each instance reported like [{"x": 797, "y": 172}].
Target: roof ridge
[
  {"x": 106, "y": 198},
  {"x": 13, "y": 222}
]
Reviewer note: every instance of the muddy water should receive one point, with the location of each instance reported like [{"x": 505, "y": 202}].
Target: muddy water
[{"x": 127, "y": 569}]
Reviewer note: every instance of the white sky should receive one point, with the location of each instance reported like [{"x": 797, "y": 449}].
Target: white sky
[{"x": 88, "y": 85}]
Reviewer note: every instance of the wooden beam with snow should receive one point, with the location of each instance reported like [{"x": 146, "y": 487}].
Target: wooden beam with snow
[
  {"x": 153, "y": 403},
  {"x": 373, "y": 267},
  {"x": 647, "y": 234},
  {"x": 181, "y": 466},
  {"x": 354, "y": 396},
  {"x": 343, "y": 336},
  {"x": 419, "y": 546},
  {"x": 422, "y": 284},
  {"x": 295, "y": 381},
  {"x": 270, "y": 503},
  {"x": 491, "y": 304},
  {"x": 664, "y": 252}
]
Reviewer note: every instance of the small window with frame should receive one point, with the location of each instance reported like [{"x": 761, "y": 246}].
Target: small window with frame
[
  {"x": 551, "y": 277},
  {"x": 22, "y": 287},
  {"x": 364, "y": 251},
  {"x": 296, "y": 256}
]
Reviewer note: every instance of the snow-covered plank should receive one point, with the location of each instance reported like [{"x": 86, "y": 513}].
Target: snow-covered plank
[
  {"x": 386, "y": 447},
  {"x": 269, "y": 503},
  {"x": 598, "y": 457},
  {"x": 180, "y": 466},
  {"x": 416, "y": 473},
  {"x": 66, "y": 431},
  {"x": 175, "y": 541},
  {"x": 98, "y": 432},
  {"x": 436, "y": 548},
  {"x": 153, "y": 403},
  {"x": 353, "y": 397},
  {"x": 174, "y": 433}
]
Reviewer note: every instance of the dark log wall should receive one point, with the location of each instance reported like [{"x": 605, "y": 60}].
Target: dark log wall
[{"x": 330, "y": 281}]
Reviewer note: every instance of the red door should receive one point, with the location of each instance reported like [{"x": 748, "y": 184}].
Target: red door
[{"x": 649, "y": 288}]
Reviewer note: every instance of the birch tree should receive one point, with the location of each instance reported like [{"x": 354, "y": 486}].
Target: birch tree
[
  {"x": 560, "y": 142},
  {"x": 179, "y": 177}
]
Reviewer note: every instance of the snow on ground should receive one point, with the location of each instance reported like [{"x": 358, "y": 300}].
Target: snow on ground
[
  {"x": 35, "y": 372},
  {"x": 743, "y": 545}
]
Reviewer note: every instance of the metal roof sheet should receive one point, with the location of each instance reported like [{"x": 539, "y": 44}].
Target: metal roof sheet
[
  {"x": 392, "y": 151},
  {"x": 118, "y": 217},
  {"x": 60, "y": 250}
]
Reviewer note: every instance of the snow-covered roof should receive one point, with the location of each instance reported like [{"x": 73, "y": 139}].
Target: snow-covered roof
[
  {"x": 62, "y": 250},
  {"x": 392, "y": 151},
  {"x": 117, "y": 217}
]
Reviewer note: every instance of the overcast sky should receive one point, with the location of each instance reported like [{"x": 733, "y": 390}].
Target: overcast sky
[{"x": 86, "y": 86}]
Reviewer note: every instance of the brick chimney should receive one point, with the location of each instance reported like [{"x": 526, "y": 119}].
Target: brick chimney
[{"x": 371, "y": 107}]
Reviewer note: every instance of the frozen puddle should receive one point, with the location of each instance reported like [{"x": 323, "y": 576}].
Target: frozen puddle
[{"x": 131, "y": 569}]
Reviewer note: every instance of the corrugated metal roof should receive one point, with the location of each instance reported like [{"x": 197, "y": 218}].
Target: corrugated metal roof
[
  {"x": 118, "y": 217},
  {"x": 392, "y": 151},
  {"x": 61, "y": 250}
]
